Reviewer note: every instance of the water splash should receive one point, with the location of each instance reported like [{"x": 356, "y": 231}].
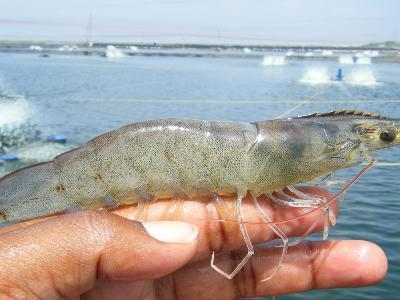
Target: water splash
[
  {"x": 316, "y": 75},
  {"x": 327, "y": 53},
  {"x": 113, "y": 52},
  {"x": 371, "y": 53},
  {"x": 346, "y": 60},
  {"x": 271, "y": 60},
  {"x": 363, "y": 60},
  {"x": 13, "y": 112},
  {"x": 15, "y": 128},
  {"x": 362, "y": 76},
  {"x": 19, "y": 137}
]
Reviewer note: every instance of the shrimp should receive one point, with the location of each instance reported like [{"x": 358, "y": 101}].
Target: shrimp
[{"x": 171, "y": 158}]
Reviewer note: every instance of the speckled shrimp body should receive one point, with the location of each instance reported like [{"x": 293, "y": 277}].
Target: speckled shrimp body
[{"x": 173, "y": 158}]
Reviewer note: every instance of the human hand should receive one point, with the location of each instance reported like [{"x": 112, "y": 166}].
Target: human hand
[{"x": 100, "y": 255}]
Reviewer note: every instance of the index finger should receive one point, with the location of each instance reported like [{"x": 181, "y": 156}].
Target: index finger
[
  {"x": 317, "y": 265},
  {"x": 215, "y": 233}
]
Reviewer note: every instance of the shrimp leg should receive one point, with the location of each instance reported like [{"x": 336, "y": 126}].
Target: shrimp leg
[
  {"x": 173, "y": 209},
  {"x": 330, "y": 216},
  {"x": 221, "y": 205},
  {"x": 310, "y": 228},
  {"x": 246, "y": 237},
  {"x": 307, "y": 201},
  {"x": 301, "y": 195},
  {"x": 278, "y": 232},
  {"x": 139, "y": 215},
  {"x": 304, "y": 198}
]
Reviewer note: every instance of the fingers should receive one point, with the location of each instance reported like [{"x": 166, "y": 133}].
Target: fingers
[
  {"x": 321, "y": 265},
  {"x": 64, "y": 256},
  {"x": 223, "y": 236}
]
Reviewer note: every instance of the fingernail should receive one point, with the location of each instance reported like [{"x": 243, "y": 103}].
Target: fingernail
[{"x": 172, "y": 231}]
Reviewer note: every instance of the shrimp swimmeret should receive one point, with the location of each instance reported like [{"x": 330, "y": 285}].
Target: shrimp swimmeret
[{"x": 186, "y": 159}]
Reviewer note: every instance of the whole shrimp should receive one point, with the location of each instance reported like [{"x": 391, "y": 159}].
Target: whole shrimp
[{"x": 170, "y": 159}]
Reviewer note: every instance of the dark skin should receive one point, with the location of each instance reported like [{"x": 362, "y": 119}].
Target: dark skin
[{"x": 104, "y": 255}]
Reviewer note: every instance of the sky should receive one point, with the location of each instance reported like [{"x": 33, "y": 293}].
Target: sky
[{"x": 323, "y": 22}]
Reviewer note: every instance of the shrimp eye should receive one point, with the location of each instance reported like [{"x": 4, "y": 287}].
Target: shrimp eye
[{"x": 388, "y": 135}]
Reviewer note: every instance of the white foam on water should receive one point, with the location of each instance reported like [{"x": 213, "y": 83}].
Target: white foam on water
[
  {"x": 133, "y": 49},
  {"x": 363, "y": 60},
  {"x": 68, "y": 48},
  {"x": 35, "y": 48},
  {"x": 327, "y": 53},
  {"x": 362, "y": 76},
  {"x": 14, "y": 112},
  {"x": 113, "y": 52},
  {"x": 39, "y": 151},
  {"x": 289, "y": 53},
  {"x": 316, "y": 75},
  {"x": 32, "y": 153},
  {"x": 371, "y": 53},
  {"x": 270, "y": 60},
  {"x": 346, "y": 60}
]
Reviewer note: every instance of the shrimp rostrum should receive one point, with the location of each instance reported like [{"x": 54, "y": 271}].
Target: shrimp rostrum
[{"x": 187, "y": 159}]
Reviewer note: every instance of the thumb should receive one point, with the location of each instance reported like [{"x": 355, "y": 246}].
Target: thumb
[{"x": 63, "y": 257}]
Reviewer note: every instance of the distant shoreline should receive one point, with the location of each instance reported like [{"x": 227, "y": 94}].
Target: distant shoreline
[
  {"x": 319, "y": 53},
  {"x": 386, "y": 46}
]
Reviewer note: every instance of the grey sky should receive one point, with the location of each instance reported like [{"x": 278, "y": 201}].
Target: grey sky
[{"x": 252, "y": 21}]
